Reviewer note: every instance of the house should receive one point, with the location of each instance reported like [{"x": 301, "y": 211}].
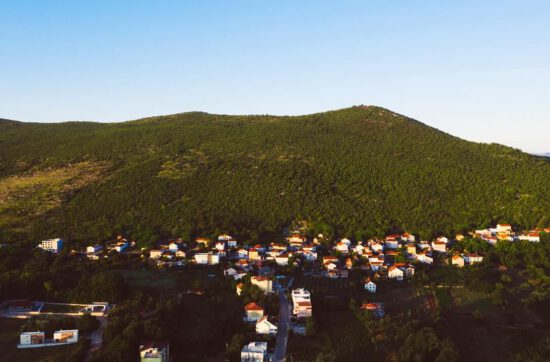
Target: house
[
  {"x": 254, "y": 352},
  {"x": 342, "y": 247},
  {"x": 376, "y": 247},
  {"x": 180, "y": 254},
  {"x": 264, "y": 283},
  {"x": 439, "y": 246},
  {"x": 66, "y": 336},
  {"x": 533, "y": 236},
  {"x": 411, "y": 249},
  {"x": 156, "y": 253},
  {"x": 264, "y": 326},
  {"x": 424, "y": 258},
  {"x": 253, "y": 254},
  {"x": 239, "y": 289},
  {"x": 395, "y": 273},
  {"x": 457, "y": 260},
  {"x": 173, "y": 247},
  {"x": 370, "y": 286},
  {"x": 358, "y": 249},
  {"x": 282, "y": 259},
  {"x": 330, "y": 259},
  {"x": 301, "y": 303},
  {"x": 504, "y": 228},
  {"x": 220, "y": 245},
  {"x": 52, "y": 245},
  {"x": 202, "y": 242},
  {"x": 472, "y": 258},
  {"x": 93, "y": 249},
  {"x": 408, "y": 237},
  {"x": 376, "y": 265},
  {"x": 242, "y": 253},
  {"x": 296, "y": 240},
  {"x": 253, "y": 312},
  {"x": 392, "y": 242},
  {"x": 232, "y": 243},
  {"x": 209, "y": 258},
  {"x": 120, "y": 245},
  {"x": 377, "y": 309},
  {"x": 310, "y": 255},
  {"x": 154, "y": 352},
  {"x": 27, "y": 338}
]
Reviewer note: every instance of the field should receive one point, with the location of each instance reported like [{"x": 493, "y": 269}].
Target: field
[
  {"x": 171, "y": 281},
  {"x": 9, "y": 338},
  {"x": 340, "y": 333},
  {"x": 323, "y": 285}
]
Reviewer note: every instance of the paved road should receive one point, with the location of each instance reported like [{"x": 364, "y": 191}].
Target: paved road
[{"x": 282, "y": 331}]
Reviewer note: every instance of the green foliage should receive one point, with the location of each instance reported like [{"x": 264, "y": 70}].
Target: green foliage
[{"x": 357, "y": 171}]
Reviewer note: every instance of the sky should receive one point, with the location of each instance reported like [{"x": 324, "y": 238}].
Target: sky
[{"x": 479, "y": 70}]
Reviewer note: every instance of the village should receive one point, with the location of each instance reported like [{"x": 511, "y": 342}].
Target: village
[{"x": 266, "y": 269}]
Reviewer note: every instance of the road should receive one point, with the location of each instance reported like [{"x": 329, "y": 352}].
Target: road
[{"x": 282, "y": 331}]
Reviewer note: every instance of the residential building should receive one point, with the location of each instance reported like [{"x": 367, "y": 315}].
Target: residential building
[
  {"x": 457, "y": 260},
  {"x": 264, "y": 283},
  {"x": 254, "y": 352},
  {"x": 53, "y": 245},
  {"x": 439, "y": 246},
  {"x": 27, "y": 338},
  {"x": 472, "y": 258},
  {"x": 264, "y": 326},
  {"x": 301, "y": 302},
  {"x": 66, "y": 336},
  {"x": 93, "y": 249},
  {"x": 209, "y": 258},
  {"x": 370, "y": 286},
  {"x": 253, "y": 312},
  {"x": 395, "y": 273},
  {"x": 154, "y": 352},
  {"x": 156, "y": 253}
]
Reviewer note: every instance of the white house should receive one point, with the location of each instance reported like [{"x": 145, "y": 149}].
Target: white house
[
  {"x": 301, "y": 303},
  {"x": 173, "y": 247},
  {"x": 395, "y": 273},
  {"x": 504, "y": 228},
  {"x": 154, "y": 352},
  {"x": 264, "y": 326},
  {"x": 66, "y": 336},
  {"x": 533, "y": 236},
  {"x": 220, "y": 245},
  {"x": 156, "y": 253},
  {"x": 424, "y": 258},
  {"x": 443, "y": 239},
  {"x": 93, "y": 249},
  {"x": 207, "y": 258},
  {"x": 457, "y": 260},
  {"x": 473, "y": 258},
  {"x": 376, "y": 247},
  {"x": 264, "y": 283},
  {"x": 254, "y": 352},
  {"x": 27, "y": 338},
  {"x": 253, "y": 312},
  {"x": 242, "y": 253},
  {"x": 439, "y": 246},
  {"x": 282, "y": 260},
  {"x": 53, "y": 245},
  {"x": 342, "y": 247},
  {"x": 370, "y": 286}
]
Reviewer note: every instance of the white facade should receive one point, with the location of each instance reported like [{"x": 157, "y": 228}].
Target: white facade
[
  {"x": 263, "y": 283},
  {"x": 27, "y": 338},
  {"x": 370, "y": 287},
  {"x": 53, "y": 245},
  {"x": 301, "y": 303},
  {"x": 93, "y": 249},
  {"x": 254, "y": 352},
  {"x": 395, "y": 273},
  {"x": 264, "y": 326}
]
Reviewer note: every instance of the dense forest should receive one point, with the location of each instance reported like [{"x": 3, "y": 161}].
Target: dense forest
[{"x": 360, "y": 171}]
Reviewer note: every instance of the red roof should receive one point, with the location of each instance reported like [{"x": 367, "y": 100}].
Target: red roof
[{"x": 253, "y": 307}]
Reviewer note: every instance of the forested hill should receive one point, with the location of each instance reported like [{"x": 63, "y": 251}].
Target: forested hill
[{"x": 360, "y": 171}]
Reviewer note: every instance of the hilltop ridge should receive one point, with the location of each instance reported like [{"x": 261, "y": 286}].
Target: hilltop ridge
[{"x": 354, "y": 171}]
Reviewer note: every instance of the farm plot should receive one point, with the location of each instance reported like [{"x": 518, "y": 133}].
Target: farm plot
[{"x": 323, "y": 285}]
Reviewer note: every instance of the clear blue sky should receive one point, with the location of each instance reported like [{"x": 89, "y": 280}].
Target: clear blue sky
[{"x": 477, "y": 69}]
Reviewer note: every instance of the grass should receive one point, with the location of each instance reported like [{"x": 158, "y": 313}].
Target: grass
[
  {"x": 9, "y": 338},
  {"x": 323, "y": 285},
  {"x": 36, "y": 192}
]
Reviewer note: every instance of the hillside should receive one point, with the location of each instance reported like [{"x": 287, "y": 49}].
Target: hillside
[{"x": 358, "y": 171}]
